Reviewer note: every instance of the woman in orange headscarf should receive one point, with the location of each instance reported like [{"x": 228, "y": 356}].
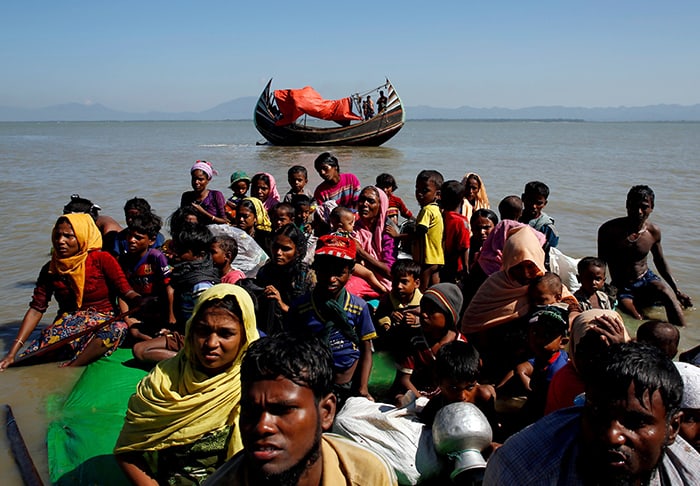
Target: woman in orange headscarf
[{"x": 85, "y": 282}]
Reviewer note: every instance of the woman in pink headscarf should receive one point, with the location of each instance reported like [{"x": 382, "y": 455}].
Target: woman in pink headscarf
[
  {"x": 375, "y": 247},
  {"x": 209, "y": 204},
  {"x": 264, "y": 187}
]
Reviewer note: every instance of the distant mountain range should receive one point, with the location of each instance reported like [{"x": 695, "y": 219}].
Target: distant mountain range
[{"x": 242, "y": 109}]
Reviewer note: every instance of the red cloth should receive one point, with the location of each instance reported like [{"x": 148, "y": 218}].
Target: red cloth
[
  {"x": 104, "y": 280},
  {"x": 456, "y": 239},
  {"x": 293, "y": 103},
  {"x": 336, "y": 246},
  {"x": 396, "y": 203},
  {"x": 566, "y": 385}
]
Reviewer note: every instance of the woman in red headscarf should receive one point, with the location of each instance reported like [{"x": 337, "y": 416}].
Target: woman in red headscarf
[{"x": 85, "y": 282}]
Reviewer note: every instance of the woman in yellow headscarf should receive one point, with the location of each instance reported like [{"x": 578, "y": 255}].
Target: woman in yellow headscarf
[
  {"x": 85, "y": 281},
  {"x": 182, "y": 422}
]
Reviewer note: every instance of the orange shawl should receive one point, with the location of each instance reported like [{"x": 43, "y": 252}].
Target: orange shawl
[
  {"x": 89, "y": 239},
  {"x": 500, "y": 298}
]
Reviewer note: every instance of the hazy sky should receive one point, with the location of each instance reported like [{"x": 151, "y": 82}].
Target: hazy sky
[{"x": 146, "y": 55}]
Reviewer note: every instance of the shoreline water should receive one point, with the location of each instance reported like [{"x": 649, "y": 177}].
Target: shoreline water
[{"x": 588, "y": 166}]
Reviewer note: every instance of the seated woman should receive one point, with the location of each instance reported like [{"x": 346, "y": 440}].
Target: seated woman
[
  {"x": 284, "y": 277},
  {"x": 375, "y": 247},
  {"x": 183, "y": 418},
  {"x": 86, "y": 282},
  {"x": 493, "y": 321},
  {"x": 252, "y": 218},
  {"x": 210, "y": 204}
]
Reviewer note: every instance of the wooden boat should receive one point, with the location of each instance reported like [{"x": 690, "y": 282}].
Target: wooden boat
[{"x": 281, "y": 117}]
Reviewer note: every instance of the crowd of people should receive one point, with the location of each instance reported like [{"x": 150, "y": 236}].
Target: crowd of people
[{"x": 251, "y": 365}]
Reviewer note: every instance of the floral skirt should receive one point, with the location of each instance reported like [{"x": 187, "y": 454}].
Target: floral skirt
[{"x": 70, "y": 324}]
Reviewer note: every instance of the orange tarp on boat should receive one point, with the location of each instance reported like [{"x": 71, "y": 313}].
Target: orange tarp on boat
[{"x": 293, "y": 103}]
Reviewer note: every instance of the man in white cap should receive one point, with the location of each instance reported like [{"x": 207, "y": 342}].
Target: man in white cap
[{"x": 690, "y": 404}]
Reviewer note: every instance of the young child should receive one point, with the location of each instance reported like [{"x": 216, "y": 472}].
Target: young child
[
  {"x": 303, "y": 212},
  {"x": 591, "y": 275},
  {"x": 535, "y": 198},
  {"x": 387, "y": 183},
  {"x": 457, "y": 368},
  {"x": 547, "y": 336},
  {"x": 511, "y": 207},
  {"x": 335, "y": 315},
  {"x": 133, "y": 208},
  {"x": 148, "y": 272},
  {"x": 546, "y": 290},
  {"x": 429, "y": 228},
  {"x": 400, "y": 307},
  {"x": 193, "y": 274},
  {"x": 342, "y": 188},
  {"x": 224, "y": 250},
  {"x": 280, "y": 215},
  {"x": 457, "y": 235},
  {"x": 240, "y": 182},
  {"x": 661, "y": 334},
  {"x": 298, "y": 177},
  {"x": 439, "y": 313},
  {"x": 342, "y": 222}
]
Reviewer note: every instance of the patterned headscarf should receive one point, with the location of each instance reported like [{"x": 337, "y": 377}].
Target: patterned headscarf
[{"x": 205, "y": 167}]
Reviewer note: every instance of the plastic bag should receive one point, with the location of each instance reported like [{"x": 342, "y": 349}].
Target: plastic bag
[
  {"x": 250, "y": 256},
  {"x": 565, "y": 267},
  {"x": 394, "y": 433}
]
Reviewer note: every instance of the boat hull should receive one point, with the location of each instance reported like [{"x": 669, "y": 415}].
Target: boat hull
[{"x": 372, "y": 132}]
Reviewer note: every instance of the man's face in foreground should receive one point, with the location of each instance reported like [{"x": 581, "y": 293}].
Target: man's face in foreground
[
  {"x": 281, "y": 425},
  {"x": 624, "y": 438}
]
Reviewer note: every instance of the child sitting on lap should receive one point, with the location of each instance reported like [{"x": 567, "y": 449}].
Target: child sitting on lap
[
  {"x": 399, "y": 309},
  {"x": 343, "y": 224}
]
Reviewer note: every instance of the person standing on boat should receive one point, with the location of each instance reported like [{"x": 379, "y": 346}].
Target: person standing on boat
[
  {"x": 368, "y": 108},
  {"x": 85, "y": 281},
  {"x": 624, "y": 244},
  {"x": 381, "y": 102},
  {"x": 210, "y": 204}
]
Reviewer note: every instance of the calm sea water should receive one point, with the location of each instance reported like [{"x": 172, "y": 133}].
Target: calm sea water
[{"x": 588, "y": 166}]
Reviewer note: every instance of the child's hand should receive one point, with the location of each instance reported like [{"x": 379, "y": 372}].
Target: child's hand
[
  {"x": 392, "y": 230},
  {"x": 411, "y": 319}
]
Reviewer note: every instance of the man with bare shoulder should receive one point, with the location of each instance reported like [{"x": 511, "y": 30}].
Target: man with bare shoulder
[{"x": 624, "y": 244}]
